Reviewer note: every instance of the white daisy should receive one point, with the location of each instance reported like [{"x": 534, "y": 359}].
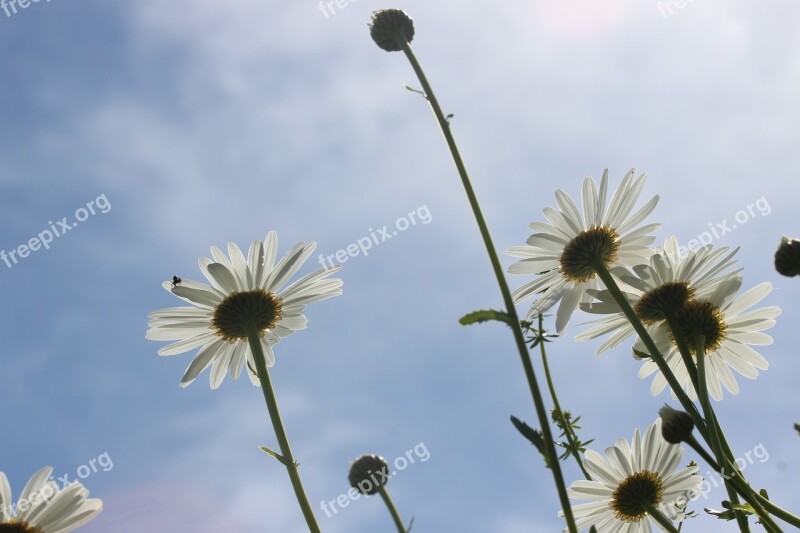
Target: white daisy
[
  {"x": 43, "y": 508},
  {"x": 729, "y": 328},
  {"x": 243, "y": 291},
  {"x": 658, "y": 288},
  {"x": 562, "y": 250},
  {"x": 628, "y": 480}
]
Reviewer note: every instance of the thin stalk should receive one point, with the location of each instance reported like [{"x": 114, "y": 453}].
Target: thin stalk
[
  {"x": 698, "y": 448},
  {"x": 280, "y": 432},
  {"x": 568, "y": 433},
  {"x": 760, "y": 504},
  {"x": 691, "y": 367},
  {"x": 398, "y": 522},
  {"x": 713, "y": 427},
  {"x": 781, "y": 513},
  {"x": 541, "y": 413},
  {"x": 747, "y": 492},
  {"x": 605, "y": 276}
]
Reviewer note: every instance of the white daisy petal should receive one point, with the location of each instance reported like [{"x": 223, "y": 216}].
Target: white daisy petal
[
  {"x": 202, "y": 297},
  {"x": 189, "y": 343},
  {"x": 201, "y": 361},
  {"x": 220, "y": 365},
  {"x": 224, "y": 277},
  {"x": 240, "y": 270},
  {"x": 47, "y": 507}
]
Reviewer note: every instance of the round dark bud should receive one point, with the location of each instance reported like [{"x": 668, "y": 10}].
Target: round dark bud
[
  {"x": 787, "y": 258},
  {"x": 391, "y": 28},
  {"x": 676, "y": 426},
  {"x": 368, "y": 473}
]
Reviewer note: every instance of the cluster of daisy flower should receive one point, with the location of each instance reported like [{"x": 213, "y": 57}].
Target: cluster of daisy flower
[
  {"x": 698, "y": 289},
  {"x": 599, "y": 259}
]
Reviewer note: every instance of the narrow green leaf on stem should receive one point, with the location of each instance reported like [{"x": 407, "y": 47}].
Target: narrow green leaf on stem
[
  {"x": 484, "y": 315},
  {"x": 276, "y": 455}
]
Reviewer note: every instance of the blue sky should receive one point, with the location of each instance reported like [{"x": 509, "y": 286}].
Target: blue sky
[{"x": 206, "y": 122}]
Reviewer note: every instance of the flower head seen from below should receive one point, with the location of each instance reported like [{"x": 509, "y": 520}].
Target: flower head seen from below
[
  {"x": 729, "y": 328},
  {"x": 43, "y": 508},
  {"x": 631, "y": 479},
  {"x": 658, "y": 288},
  {"x": 564, "y": 251},
  {"x": 368, "y": 474},
  {"x": 390, "y": 28},
  {"x": 245, "y": 295}
]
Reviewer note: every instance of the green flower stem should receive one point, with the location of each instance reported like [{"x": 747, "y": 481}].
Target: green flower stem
[
  {"x": 747, "y": 491},
  {"x": 541, "y": 413},
  {"x": 698, "y": 448},
  {"x": 691, "y": 368},
  {"x": 398, "y": 522},
  {"x": 714, "y": 429},
  {"x": 605, "y": 276},
  {"x": 665, "y": 522},
  {"x": 280, "y": 432},
  {"x": 783, "y": 514},
  {"x": 568, "y": 433},
  {"x": 737, "y": 480}
]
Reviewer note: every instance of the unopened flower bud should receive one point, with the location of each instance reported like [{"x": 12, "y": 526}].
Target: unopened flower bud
[
  {"x": 676, "y": 426},
  {"x": 391, "y": 28},
  {"x": 787, "y": 258},
  {"x": 368, "y": 473}
]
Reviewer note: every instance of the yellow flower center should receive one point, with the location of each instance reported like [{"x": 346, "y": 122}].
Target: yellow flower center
[
  {"x": 655, "y": 305},
  {"x": 635, "y": 494},
  {"x": 581, "y": 253},
  {"x": 697, "y": 319},
  {"x": 241, "y": 312}
]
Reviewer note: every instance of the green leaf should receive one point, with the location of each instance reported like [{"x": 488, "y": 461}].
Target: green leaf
[
  {"x": 729, "y": 513},
  {"x": 722, "y": 515},
  {"x": 277, "y": 456},
  {"x": 797, "y": 428},
  {"x": 485, "y": 315},
  {"x": 641, "y": 355},
  {"x": 533, "y": 435},
  {"x": 592, "y": 529}
]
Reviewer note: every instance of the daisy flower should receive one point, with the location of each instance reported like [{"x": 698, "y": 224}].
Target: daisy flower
[
  {"x": 244, "y": 294},
  {"x": 43, "y": 508},
  {"x": 729, "y": 326},
  {"x": 631, "y": 479},
  {"x": 563, "y": 250},
  {"x": 657, "y": 289}
]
